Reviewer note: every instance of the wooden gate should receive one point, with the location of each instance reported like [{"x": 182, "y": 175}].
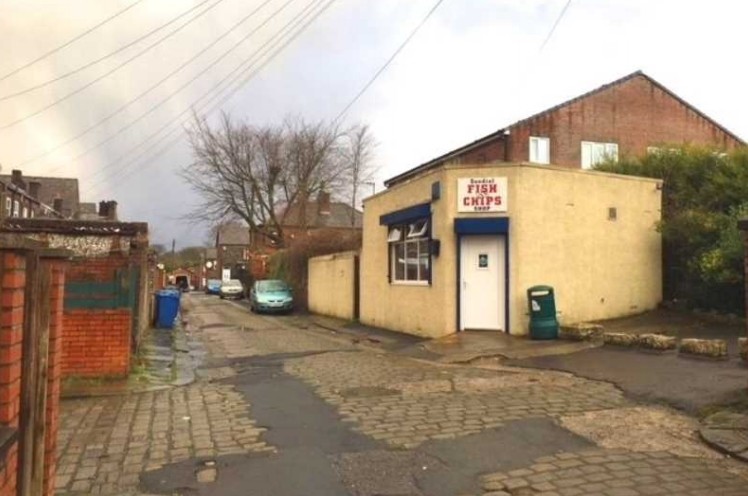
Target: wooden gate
[{"x": 34, "y": 375}]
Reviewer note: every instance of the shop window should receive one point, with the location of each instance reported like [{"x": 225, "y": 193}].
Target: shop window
[
  {"x": 410, "y": 256},
  {"x": 540, "y": 150},
  {"x": 597, "y": 153}
]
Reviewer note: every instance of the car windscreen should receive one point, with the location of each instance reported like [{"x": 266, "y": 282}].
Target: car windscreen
[{"x": 272, "y": 286}]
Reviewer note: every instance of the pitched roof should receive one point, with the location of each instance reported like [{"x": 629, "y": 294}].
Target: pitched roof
[
  {"x": 232, "y": 234},
  {"x": 51, "y": 188},
  {"x": 501, "y": 132},
  {"x": 339, "y": 216}
]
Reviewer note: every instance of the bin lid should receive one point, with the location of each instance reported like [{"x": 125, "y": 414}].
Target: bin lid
[{"x": 541, "y": 288}]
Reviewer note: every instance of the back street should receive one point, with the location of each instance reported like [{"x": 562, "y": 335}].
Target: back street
[{"x": 281, "y": 407}]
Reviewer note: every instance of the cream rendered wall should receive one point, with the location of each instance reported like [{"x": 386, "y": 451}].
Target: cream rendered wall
[
  {"x": 414, "y": 309},
  {"x": 331, "y": 285},
  {"x": 600, "y": 268},
  {"x": 559, "y": 234}
]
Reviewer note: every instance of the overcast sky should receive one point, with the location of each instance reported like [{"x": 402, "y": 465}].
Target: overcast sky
[{"x": 474, "y": 67}]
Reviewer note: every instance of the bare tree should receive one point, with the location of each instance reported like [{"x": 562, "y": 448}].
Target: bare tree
[
  {"x": 358, "y": 167},
  {"x": 257, "y": 174}
]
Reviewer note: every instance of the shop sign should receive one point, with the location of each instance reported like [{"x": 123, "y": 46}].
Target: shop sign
[{"x": 482, "y": 194}]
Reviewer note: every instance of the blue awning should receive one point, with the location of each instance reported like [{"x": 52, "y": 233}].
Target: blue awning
[{"x": 405, "y": 215}]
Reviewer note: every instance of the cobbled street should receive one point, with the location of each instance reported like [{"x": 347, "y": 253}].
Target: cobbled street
[{"x": 280, "y": 407}]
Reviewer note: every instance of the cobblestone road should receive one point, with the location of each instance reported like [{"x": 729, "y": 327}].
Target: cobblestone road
[
  {"x": 105, "y": 443},
  {"x": 616, "y": 473},
  {"x": 406, "y": 403}
]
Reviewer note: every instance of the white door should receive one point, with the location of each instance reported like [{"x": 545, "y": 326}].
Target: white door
[{"x": 482, "y": 282}]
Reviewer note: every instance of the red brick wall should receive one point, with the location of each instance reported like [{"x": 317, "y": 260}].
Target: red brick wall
[
  {"x": 12, "y": 287},
  {"x": 96, "y": 342},
  {"x": 13, "y": 267},
  {"x": 635, "y": 114}
]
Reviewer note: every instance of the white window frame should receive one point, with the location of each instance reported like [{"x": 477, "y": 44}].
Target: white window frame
[
  {"x": 594, "y": 152},
  {"x": 16, "y": 208},
  {"x": 25, "y": 213},
  {"x": 539, "y": 150},
  {"x": 401, "y": 240},
  {"x": 8, "y": 206}
]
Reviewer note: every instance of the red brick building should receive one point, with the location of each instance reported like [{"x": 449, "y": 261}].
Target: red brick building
[{"x": 627, "y": 117}]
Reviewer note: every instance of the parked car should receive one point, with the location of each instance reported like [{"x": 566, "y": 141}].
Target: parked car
[
  {"x": 213, "y": 286},
  {"x": 271, "y": 295},
  {"x": 232, "y": 288}
]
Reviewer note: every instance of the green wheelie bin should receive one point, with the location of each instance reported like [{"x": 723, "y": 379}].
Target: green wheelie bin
[{"x": 542, "y": 305}]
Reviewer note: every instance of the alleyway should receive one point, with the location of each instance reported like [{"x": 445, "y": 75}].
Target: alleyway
[{"x": 281, "y": 409}]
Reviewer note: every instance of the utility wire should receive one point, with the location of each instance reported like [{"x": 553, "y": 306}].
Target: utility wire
[
  {"x": 302, "y": 18},
  {"x": 231, "y": 77},
  {"x": 172, "y": 73},
  {"x": 108, "y": 73},
  {"x": 555, "y": 25},
  {"x": 389, "y": 61},
  {"x": 70, "y": 42},
  {"x": 104, "y": 57}
]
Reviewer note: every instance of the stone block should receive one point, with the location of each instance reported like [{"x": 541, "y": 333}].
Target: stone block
[
  {"x": 621, "y": 339},
  {"x": 658, "y": 342},
  {"x": 582, "y": 331},
  {"x": 743, "y": 348},
  {"x": 710, "y": 348}
]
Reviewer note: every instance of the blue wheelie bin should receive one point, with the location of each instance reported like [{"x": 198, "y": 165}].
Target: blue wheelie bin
[{"x": 167, "y": 305}]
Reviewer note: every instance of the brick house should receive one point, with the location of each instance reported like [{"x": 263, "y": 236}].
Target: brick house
[
  {"x": 627, "y": 117},
  {"x": 241, "y": 249},
  {"x": 28, "y": 198}
]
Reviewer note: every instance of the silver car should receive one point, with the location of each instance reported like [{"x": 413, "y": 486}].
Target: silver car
[{"x": 232, "y": 288}]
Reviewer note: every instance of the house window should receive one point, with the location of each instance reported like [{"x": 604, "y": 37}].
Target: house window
[
  {"x": 25, "y": 212},
  {"x": 596, "y": 153},
  {"x": 410, "y": 257},
  {"x": 540, "y": 150},
  {"x": 8, "y": 207},
  {"x": 16, "y": 208}
]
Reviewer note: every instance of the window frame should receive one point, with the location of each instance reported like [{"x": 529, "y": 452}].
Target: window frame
[
  {"x": 546, "y": 160},
  {"x": 401, "y": 239},
  {"x": 595, "y": 155}
]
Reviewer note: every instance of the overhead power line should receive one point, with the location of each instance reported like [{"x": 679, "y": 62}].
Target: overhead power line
[
  {"x": 304, "y": 18},
  {"x": 104, "y": 57},
  {"x": 388, "y": 62},
  {"x": 70, "y": 42},
  {"x": 108, "y": 73},
  {"x": 555, "y": 25},
  {"x": 172, "y": 73}
]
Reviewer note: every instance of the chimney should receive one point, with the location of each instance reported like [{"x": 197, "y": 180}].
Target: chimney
[
  {"x": 16, "y": 178},
  {"x": 323, "y": 203},
  {"x": 103, "y": 209},
  {"x": 57, "y": 205},
  {"x": 111, "y": 210},
  {"x": 34, "y": 187}
]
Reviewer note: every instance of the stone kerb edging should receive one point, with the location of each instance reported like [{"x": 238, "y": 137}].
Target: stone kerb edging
[
  {"x": 710, "y": 348},
  {"x": 582, "y": 331}
]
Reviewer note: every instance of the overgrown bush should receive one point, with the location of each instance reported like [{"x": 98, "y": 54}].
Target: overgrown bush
[
  {"x": 705, "y": 192},
  {"x": 291, "y": 263}
]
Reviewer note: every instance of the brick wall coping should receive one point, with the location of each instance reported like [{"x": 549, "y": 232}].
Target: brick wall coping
[{"x": 75, "y": 227}]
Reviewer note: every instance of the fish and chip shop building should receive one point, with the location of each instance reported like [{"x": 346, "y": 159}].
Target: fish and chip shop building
[{"x": 457, "y": 246}]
